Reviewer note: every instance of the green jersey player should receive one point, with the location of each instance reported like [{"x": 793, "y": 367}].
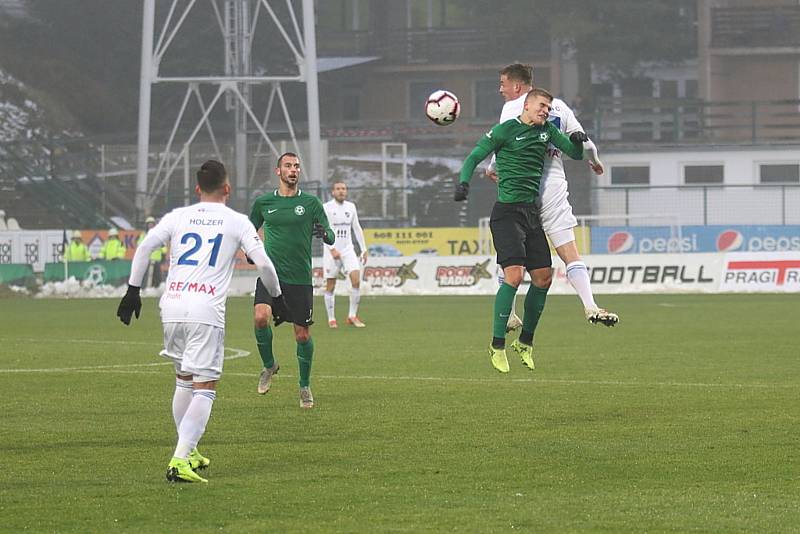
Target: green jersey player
[
  {"x": 520, "y": 146},
  {"x": 290, "y": 218}
]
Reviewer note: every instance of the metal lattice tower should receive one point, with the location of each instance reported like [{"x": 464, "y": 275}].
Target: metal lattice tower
[{"x": 238, "y": 22}]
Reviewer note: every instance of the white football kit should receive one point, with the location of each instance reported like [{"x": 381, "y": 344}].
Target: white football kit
[
  {"x": 203, "y": 240},
  {"x": 555, "y": 209},
  {"x": 343, "y": 219}
]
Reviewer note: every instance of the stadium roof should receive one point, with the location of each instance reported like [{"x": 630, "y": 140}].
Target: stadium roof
[{"x": 325, "y": 64}]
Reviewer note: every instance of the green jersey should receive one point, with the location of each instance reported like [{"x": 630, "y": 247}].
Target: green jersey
[
  {"x": 520, "y": 150},
  {"x": 288, "y": 224}
]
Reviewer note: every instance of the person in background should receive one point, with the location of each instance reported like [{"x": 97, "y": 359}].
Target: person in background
[
  {"x": 112, "y": 249},
  {"x": 77, "y": 249}
]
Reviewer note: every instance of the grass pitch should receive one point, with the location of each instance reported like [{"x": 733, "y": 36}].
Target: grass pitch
[{"x": 684, "y": 417}]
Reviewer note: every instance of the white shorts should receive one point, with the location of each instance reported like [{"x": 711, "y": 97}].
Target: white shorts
[
  {"x": 196, "y": 349},
  {"x": 555, "y": 210},
  {"x": 348, "y": 262}
]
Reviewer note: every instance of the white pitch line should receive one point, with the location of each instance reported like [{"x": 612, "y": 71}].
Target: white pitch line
[
  {"x": 237, "y": 353},
  {"x": 433, "y": 379}
]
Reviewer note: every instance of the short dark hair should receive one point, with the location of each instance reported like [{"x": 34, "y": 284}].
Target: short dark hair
[
  {"x": 338, "y": 181},
  {"x": 211, "y": 176},
  {"x": 538, "y": 91},
  {"x": 286, "y": 154},
  {"x": 519, "y": 73}
]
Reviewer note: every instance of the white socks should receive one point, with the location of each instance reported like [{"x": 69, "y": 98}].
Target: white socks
[
  {"x": 578, "y": 276},
  {"x": 355, "y": 298},
  {"x": 329, "y": 303},
  {"x": 194, "y": 421},
  {"x": 181, "y": 400}
]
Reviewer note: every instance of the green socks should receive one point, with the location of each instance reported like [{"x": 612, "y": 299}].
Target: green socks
[
  {"x": 305, "y": 353},
  {"x": 502, "y": 309},
  {"x": 534, "y": 306},
  {"x": 264, "y": 342}
]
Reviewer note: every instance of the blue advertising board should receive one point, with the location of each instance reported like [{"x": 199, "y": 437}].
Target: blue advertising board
[{"x": 661, "y": 239}]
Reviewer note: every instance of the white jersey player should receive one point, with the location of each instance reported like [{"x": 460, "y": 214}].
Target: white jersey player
[
  {"x": 203, "y": 241},
  {"x": 558, "y": 221},
  {"x": 341, "y": 256}
]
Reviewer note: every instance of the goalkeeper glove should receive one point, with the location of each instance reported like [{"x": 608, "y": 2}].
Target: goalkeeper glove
[
  {"x": 131, "y": 303},
  {"x": 461, "y": 193},
  {"x": 578, "y": 137},
  {"x": 319, "y": 231}
]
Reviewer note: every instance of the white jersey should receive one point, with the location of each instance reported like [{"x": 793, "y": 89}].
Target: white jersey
[
  {"x": 203, "y": 240},
  {"x": 562, "y": 117},
  {"x": 343, "y": 219}
]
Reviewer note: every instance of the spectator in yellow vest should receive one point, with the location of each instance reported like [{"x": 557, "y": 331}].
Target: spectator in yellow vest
[
  {"x": 112, "y": 249},
  {"x": 77, "y": 249},
  {"x": 153, "y": 276}
]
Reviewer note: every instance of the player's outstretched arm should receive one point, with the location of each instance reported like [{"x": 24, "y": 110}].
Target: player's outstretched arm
[
  {"x": 573, "y": 149},
  {"x": 266, "y": 271},
  {"x": 156, "y": 238},
  {"x": 484, "y": 147}
]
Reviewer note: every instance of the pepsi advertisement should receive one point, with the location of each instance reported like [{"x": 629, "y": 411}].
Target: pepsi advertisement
[{"x": 663, "y": 239}]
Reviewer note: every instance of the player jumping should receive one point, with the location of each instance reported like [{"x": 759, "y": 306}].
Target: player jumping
[{"x": 516, "y": 81}]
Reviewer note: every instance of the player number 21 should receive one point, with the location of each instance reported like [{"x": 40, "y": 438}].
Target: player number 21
[{"x": 186, "y": 257}]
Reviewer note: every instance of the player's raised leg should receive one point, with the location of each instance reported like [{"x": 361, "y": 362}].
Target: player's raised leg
[
  {"x": 514, "y": 322},
  {"x": 262, "y": 314},
  {"x": 578, "y": 276},
  {"x": 534, "y": 306},
  {"x": 502, "y": 308}
]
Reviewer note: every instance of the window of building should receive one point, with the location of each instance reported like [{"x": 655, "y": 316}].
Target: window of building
[
  {"x": 343, "y": 15},
  {"x": 438, "y": 14},
  {"x": 690, "y": 89},
  {"x": 632, "y": 87},
  {"x": 630, "y": 175},
  {"x": 418, "y": 93},
  {"x": 779, "y": 173},
  {"x": 488, "y": 103},
  {"x": 668, "y": 88},
  {"x": 703, "y": 174}
]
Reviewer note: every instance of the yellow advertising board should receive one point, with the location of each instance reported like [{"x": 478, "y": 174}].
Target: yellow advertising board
[{"x": 444, "y": 241}]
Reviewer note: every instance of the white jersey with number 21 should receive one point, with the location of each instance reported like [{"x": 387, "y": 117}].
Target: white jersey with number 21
[{"x": 203, "y": 240}]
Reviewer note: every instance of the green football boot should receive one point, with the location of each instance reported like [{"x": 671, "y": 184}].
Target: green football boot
[
  {"x": 498, "y": 359},
  {"x": 197, "y": 460},
  {"x": 179, "y": 470},
  {"x": 525, "y": 353}
]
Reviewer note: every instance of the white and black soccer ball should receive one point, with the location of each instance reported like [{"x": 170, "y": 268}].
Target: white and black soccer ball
[{"x": 442, "y": 107}]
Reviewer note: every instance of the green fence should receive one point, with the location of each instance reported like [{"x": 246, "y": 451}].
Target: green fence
[{"x": 100, "y": 272}]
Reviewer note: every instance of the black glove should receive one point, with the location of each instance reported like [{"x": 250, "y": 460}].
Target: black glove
[
  {"x": 578, "y": 137},
  {"x": 461, "y": 193},
  {"x": 280, "y": 312},
  {"x": 131, "y": 303},
  {"x": 319, "y": 231}
]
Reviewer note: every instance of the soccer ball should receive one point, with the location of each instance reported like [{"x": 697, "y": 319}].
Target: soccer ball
[{"x": 442, "y": 107}]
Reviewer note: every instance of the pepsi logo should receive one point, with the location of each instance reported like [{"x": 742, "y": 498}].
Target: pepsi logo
[
  {"x": 620, "y": 242},
  {"x": 729, "y": 240}
]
